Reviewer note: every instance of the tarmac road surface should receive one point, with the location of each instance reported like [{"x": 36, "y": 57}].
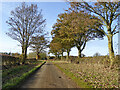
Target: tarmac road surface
[{"x": 48, "y": 76}]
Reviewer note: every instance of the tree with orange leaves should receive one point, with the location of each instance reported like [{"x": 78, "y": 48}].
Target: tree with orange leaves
[{"x": 108, "y": 13}]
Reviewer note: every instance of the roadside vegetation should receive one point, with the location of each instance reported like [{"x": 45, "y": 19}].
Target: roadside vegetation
[{"x": 13, "y": 77}]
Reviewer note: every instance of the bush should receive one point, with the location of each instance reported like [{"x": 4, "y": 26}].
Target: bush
[
  {"x": 97, "y": 54},
  {"x": 43, "y": 56},
  {"x": 52, "y": 57},
  {"x": 8, "y": 60}
]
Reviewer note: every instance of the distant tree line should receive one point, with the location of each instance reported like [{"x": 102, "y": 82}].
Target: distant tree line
[{"x": 41, "y": 55}]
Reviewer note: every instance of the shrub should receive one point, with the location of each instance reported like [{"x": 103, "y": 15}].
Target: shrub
[{"x": 8, "y": 60}]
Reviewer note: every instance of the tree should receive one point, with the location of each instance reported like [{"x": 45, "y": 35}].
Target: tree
[
  {"x": 56, "y": 47},
  {"x": 43, "y": 56},
  {"x": 79, "y": 30},
  {"x": 32, "y": 55},
  {"x": 66, "y": 45},
  {"x": 96, "y": 54},
  {"x": 38, "y": 44},
  {"x": 107, "y": 13},
  {"x": 16, "y": 54},
  {"x": 25, "y": 22}
]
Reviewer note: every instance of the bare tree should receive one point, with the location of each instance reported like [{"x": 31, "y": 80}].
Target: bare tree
[
  {"x": 25, "y": 22},
  {"x": 38, "y": 44}
]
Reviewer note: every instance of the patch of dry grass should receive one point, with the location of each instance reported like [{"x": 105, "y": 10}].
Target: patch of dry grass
[{"x": 94, "y": 71}]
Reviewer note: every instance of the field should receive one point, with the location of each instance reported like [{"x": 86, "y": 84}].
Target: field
[{"x": 92, "y": 71}]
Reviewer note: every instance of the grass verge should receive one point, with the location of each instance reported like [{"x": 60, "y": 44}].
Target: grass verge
[
  {"x": 77, "y": 80},
  {"x": 15, "y": 82}
]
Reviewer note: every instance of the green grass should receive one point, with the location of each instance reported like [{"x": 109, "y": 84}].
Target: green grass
[
  {"x": 15, "y": 82},
  {"x": 77, "y": 80},
  {"x": 13, "y": 70},
  {"x": 17, "y": 71}
]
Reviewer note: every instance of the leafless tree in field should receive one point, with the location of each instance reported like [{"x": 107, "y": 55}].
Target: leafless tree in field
[
  {"x": 38, "y": 44},
  {"x": 25, "y": 22}
]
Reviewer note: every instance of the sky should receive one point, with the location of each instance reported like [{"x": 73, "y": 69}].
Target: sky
[{"x": 50, "y": 11}]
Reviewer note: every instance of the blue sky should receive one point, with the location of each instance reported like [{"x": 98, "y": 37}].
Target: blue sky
[{"x": 50, "y": 13}]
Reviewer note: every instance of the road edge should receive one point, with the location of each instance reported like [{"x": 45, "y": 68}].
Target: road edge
[{"x": 18, "y": 81}]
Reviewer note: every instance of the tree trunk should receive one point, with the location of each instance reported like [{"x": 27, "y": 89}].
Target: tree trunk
[
  {"x": 79, "y": 53},
  {"x": 110, "y": 48},
  {"x": 25, "y": 52},
  {"x": 37, "y": 56},
  {"x": 62, "y": 56},
  {"x": 22, "y": 57},
  {"x": 80, "y": 48},
  {"x": 25, "y": 55},
  {"x": 22, "y": 49},
  {"x": 23, "y": 46},
  {"x": 58, "y": 56},
  {"x": 68, "y": 52}
]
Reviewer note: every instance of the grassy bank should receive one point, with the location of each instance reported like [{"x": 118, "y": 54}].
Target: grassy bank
[
  {"x": 19, "y": 74},
  {"x": 90, "y": 74}
]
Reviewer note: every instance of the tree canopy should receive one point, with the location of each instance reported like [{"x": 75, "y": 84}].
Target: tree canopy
[
  {"x": 108, "y": 13},
  {"x": 76, "y": 28}
]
